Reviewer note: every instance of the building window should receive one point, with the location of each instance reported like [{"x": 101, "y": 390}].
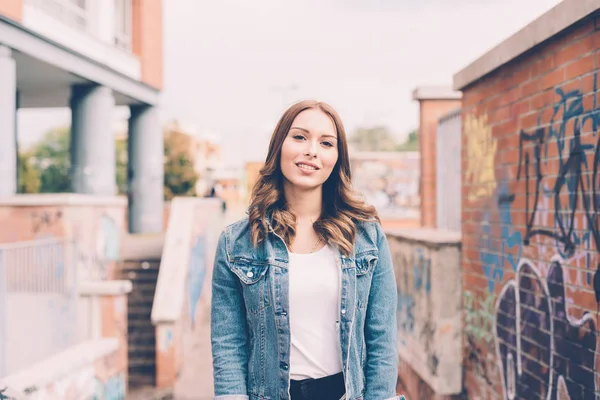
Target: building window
[
  {"x": 74, "y": 13},
  {"x": 123, "y": 20}
]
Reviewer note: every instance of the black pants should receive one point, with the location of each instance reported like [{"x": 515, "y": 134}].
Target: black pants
[{"x": 327, "y": 388}]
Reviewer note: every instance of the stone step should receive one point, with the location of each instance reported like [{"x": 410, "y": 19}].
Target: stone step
[
  {"x": 150, "y": 393},
  {"x": 137, "y": 380}
]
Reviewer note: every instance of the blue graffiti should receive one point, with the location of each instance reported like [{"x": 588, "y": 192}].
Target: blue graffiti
[
  {"x": 406, "y": 311},
  {"x": 196, "y": 274},
  {"x": 113, "y": 389},
  {"x": 110, "y": 232},
  {"x": 422, "y": 271},
  {"x": 493, "y": 259}
]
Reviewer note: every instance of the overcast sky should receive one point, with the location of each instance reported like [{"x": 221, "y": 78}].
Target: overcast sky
[{"x": 232, "y": 66}]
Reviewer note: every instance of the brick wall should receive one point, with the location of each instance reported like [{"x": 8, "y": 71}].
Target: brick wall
[
  {"x": 531, "y": 237},
  {"x": 430, "y": 113},
  {"x": 12, "y": 9},
  {"x": 148, "y": 39}
]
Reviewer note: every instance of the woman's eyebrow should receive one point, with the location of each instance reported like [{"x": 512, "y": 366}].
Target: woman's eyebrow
[
  {"x": 307, "y": 131},
  {"x": 302, "y": 129}
]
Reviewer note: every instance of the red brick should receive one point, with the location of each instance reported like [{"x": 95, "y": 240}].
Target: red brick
[
  {"x": 542, "y": 100},
  {"x": 147, "y": 39},
  {"x": 542, "y": 66},
  {"x": 552, "y": 79},
  {"x": 530, "y": 87},
  {"x": 12, "y": 9},
  {"x": 580, "y": 67}
]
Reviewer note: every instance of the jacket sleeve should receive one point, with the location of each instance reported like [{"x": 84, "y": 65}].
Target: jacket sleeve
[
  {"x": 381, "y": 328},
  {"x": 228, "y": 330}
]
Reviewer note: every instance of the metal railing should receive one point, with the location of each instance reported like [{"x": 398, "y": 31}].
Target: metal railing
[{"x": 38, "y": 301}]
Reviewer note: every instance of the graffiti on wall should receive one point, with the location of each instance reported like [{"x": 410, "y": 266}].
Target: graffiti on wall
[
  {"x": 539, "y": 343},
  {"x": 415, "y": 277},
  {"x": 389, "y": 184},
  {"x": 414, "y": 286},
  {"x": 481, "y": 152},
  {"x": 196, "y": 274},
  {"x": 544, "y": 336},
  {"x": 574, "y": 186}
]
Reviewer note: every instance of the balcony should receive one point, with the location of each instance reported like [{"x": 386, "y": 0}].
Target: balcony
[{"x": 98, "y": 29}]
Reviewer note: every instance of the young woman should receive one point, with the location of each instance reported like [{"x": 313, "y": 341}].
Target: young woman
[{"x": 303, "y": 289}]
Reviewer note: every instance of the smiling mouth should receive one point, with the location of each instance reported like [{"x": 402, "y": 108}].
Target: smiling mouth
[{"x": 306, "y": 167}]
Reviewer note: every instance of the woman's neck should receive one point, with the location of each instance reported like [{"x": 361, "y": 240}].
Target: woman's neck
[{"x": 305, "y": 204}]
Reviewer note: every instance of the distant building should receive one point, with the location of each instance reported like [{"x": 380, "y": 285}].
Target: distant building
[{"x": 90, "y": 56}]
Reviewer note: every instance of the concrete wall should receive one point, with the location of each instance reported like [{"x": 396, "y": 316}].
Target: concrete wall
[
  {"x": 181, "y": 310},
  {"x": 96, "y": 367},
  {"x": 531, "y": 195},
  {"x": 434, "y": 103},
  {"x": 427, "y": 265},
  {"x": 97, "y": 223}
]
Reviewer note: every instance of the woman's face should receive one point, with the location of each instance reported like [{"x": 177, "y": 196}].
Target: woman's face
[{"x": 310, "y": 150}]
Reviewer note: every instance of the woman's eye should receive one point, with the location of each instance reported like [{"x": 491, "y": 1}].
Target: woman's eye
[
  {"x": 328, "y": 144},
  {"x": 299, "y": 137}
]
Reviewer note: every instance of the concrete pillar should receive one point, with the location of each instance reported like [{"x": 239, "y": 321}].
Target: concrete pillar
[
  {"x": 93, "y": 161},
  {"x": 8, "y": 120},
  {"x": 434, "y": 103},
  {"x": 145, "y": 170}
]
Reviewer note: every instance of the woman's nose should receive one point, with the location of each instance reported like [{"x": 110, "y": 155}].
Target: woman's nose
[{"x": 311, "y": 151}]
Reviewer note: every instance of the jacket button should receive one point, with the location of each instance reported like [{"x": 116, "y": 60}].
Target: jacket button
[
  {"x": 250, "y": 274},
  {"x": 343, "y": 311},
  {"x": 284, "y": 313},
  {"x": 284, "y": 366}
]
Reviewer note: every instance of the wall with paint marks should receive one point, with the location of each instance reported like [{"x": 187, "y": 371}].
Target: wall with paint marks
[
  {"x": 100, "y": 379},
  {"x": 98, "y": 224},
  {"x": 183, "y": 321},
  {"x": 531, "y": 236},
  {"x": 429, "y": 307}
]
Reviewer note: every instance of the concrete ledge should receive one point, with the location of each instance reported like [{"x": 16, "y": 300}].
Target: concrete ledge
[
  {"x": 62, "y": 199},
  {"x": 562, "y": 16},
  {"x": 169, "y": 293},
  {"x": 58, "y": 366},
  {"x": 105, "y": 288},
  {"x": 436, "y": 93},
  {"x": 436, "y": 237},
  {"x": 142, "y": 247}
]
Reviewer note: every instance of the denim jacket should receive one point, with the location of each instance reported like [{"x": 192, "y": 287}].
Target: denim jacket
[{"x": 250, "y": 326}]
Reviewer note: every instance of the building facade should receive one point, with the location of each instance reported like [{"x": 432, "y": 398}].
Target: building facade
[{"x": 90, "y": 56}]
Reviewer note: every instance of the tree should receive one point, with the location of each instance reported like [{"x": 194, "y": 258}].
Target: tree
[
  {"x": 377, "y": 138},
  {"x": 45, "y": 168},
  {"x": 411, "y": 143},
  {"x": 29, "y": 176},
  {"x": 180, "y": 175},
  {"x": 50, "y": 158}
]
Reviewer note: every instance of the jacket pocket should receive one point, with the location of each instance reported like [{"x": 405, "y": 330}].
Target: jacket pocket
[
  {"x": 254, "y": 286},
  {"x": 365, "y": 263}
]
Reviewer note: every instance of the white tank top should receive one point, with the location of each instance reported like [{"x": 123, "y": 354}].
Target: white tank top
[{"x": 314, "y": 289}]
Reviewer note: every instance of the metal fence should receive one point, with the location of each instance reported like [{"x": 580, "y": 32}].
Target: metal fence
[
  {"x": 38, "y": 301},
  {"x": 449, "y": 136}
]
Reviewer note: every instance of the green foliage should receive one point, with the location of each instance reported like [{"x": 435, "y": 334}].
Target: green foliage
[
  {"x": 121, "y": 167},
  {"x": 45, "y": 168},
  {"x": 180, "y": 176},
  {"x": 50, "y": 157},
  {"x": 378, "y": 138},
  {"x": 29, "y": 176},
  {"x": 49, "y": 162},
  {"x": 411, "y": 143}
]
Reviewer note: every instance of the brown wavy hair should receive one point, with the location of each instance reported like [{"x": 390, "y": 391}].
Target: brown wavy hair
[{"x": 342, "y": 207}]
